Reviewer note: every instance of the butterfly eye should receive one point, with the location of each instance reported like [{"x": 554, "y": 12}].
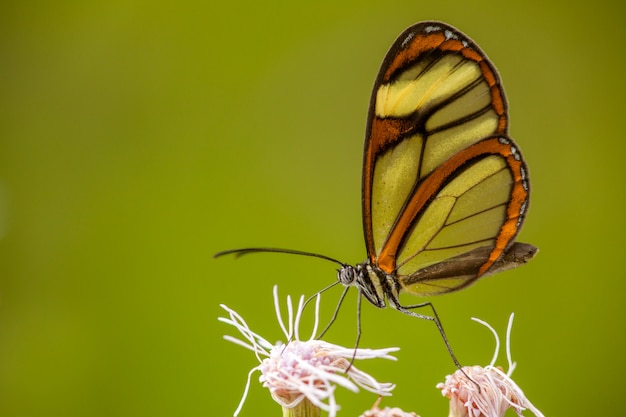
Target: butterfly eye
[{"x": 346, "y": 275}]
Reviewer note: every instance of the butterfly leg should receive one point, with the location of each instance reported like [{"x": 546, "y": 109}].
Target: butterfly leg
[
  {"x": 395, "y": 303},
  {"x": 334, "y": 317},
  {"x": 358, "y": 331},
  {"x": 434, "y": 318},
  {"x": 358, "y": 323}
]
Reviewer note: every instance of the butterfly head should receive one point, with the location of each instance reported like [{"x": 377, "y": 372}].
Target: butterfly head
[{"x": 365, "y": 279}]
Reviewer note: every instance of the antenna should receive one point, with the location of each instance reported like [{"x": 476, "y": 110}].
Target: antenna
[{"x": 245, "y": 251}]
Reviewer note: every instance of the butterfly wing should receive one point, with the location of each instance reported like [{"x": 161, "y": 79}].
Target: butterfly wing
[{"x": 445, "y": 190}]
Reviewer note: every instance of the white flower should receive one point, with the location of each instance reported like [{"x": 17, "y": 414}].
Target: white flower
[
  {"x": 490, "y": 392},
  {"x": 305, "y": 369}
]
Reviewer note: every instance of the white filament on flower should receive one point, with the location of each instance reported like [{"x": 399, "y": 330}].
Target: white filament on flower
[{"x": 304, "y": 369}]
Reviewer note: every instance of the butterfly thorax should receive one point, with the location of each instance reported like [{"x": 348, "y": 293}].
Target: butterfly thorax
[{"x": 372, "y": 282}]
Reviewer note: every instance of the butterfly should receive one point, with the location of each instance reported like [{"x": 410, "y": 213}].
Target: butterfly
[{"x": 445, "y": 190}]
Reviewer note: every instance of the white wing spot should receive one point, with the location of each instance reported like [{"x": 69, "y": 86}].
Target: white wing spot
[
  {"x": 515, "y": 153},
  {"x": 406, "y": 40},
  {"x": 504, "y": 141},
  {"x": 522, "y": 211},
  {"x": 429, "y": 29},
  {"x": 524, "y": 178},
  {"x": 451, "y": 35}
]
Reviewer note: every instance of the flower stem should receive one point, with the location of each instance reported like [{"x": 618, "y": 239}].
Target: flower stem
[{"x": 304, "y": 409}]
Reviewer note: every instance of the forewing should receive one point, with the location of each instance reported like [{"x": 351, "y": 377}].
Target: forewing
[{"x": 436, "y": 94}]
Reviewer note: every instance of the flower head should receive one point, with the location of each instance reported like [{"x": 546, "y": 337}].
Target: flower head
[
  {"x": 490, "y": 392},
  {"x": 386, "y": 412},
  {"x": 305, "y": 369}
]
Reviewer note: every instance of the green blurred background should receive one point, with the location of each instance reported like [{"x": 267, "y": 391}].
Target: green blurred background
[{"x": 139, "y": 138}]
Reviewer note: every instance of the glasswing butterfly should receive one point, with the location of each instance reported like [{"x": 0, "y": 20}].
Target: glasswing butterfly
[{"x": 445, "y": 189}]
